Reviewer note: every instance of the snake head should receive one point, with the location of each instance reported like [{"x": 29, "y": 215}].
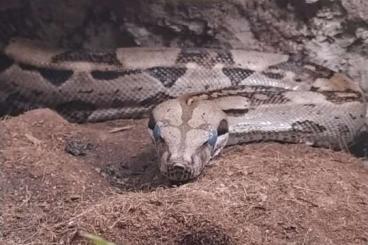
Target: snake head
[{"x": 187, "y": 136}]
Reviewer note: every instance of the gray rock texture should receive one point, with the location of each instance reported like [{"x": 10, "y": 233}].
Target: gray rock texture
[{"x": 330, "y": 32}]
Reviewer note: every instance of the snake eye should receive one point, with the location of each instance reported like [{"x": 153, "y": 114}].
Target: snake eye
[
  {"x": 223, "y": 127},
  {"x": 152, "y": 125},
  {"x": 212, "y": 137},
  {"x": 151, "y": 122},
  {"x": 157, "y": 132}
]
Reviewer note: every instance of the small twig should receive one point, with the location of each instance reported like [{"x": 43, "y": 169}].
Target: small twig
[
  {"x": 33, "y": 139},
  {"x": 120, "y": 129},
  {"x": 306, "y": 189},
  {"x": 28, "y": 197},
  {"x": 94, "y": 238}
]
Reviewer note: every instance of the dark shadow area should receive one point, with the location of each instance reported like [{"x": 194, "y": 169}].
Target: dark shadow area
[
  {"x": 360, "y": 146},
  {"x": 126, "y": 166},
  {"x": 140, "y": 173}
]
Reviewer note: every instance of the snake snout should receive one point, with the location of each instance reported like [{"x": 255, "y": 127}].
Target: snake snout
[{"x": 179, "y": 171}]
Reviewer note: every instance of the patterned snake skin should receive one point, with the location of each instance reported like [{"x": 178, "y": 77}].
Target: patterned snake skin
[{"x": 199, "y": 99}]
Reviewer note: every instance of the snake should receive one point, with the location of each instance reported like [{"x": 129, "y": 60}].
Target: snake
[{"x": 198, "y": 100}]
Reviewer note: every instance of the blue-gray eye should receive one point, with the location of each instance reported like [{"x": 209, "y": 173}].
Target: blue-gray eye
[
  {"x": 156, "y": 132},
  {"x": 212, "y": 137}
]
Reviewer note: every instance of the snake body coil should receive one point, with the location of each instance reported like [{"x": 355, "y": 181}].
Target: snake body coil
[{"x": 199, "y": 99}]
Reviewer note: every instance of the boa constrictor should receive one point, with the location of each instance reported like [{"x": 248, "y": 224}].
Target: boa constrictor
[{"x": 199, "y": 99}]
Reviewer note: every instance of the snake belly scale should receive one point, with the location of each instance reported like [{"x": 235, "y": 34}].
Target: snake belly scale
[{"x": 198, "y": 100}]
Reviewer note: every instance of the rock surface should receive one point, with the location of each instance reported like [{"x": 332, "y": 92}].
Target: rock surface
[{"x": 333, "y": 33}]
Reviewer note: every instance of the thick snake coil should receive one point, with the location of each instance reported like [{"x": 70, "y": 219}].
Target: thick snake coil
[{"x": 202, "y": 99}]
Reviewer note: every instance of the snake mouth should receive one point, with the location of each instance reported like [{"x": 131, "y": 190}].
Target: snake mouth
[{"x": 179, "y": 172}]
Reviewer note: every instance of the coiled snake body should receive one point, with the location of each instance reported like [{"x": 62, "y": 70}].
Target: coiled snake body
[{"x": 199, "y": 100}]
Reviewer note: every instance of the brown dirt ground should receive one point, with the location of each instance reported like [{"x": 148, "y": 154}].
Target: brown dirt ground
[{"x": 254, "y": 194}]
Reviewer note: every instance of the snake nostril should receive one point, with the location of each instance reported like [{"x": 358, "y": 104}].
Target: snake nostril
[
  {"x": 168, "y": 156},
  {"x": 179, "y": 171},
  {"x": 178, "y": 167}
]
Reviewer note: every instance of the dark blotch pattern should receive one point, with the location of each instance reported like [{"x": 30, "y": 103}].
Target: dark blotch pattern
[
  {"x": 290, "y": 65},
  {"x": 259, "y": 95},
  {"x": 334, "y": 97},
  {"x": 105, "y": 75},
  {"x": 155, "y": 99},
  {"x": 309, "y": 105},
  {"x": 343, "y": 129},
  {"x": 167, "y": 75},
  {"x": 117, "y": 103},
  {"x": 28, "y": 67},
  {"x": 55, "y": 76},
  {"x": 294, "y": 63},
  {"x": 5, "y": 62},
  {"x": 111, "y": 75},
  {"x": 267, "y": 136},
  {"x": 17, "y": 103},
  {"x": 236, "y": 112},
  {"x": 224, "y": 57},
  {"x": 273, "y": 75},
  {"x": 236, "y": 75},
  {"x": 322, "y": 71},
  {"x": 198, "y": 56},
  {"x": 76, "y": 110},
  {"x": 266, "y": 97},
  {"x": 103, "y": 57},
  {"x": 308, "y": 127},
  {"x": 304, "y": 71},
  {"x": 352, "y": 116},
  {"x": 205, "y": 58}
]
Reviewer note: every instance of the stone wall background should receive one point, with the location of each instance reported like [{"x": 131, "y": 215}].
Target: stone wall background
[{"x": 330, "y": 32}]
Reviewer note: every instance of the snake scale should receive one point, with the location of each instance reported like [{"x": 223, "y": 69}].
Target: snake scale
[{"x": 198, "y": 100}]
